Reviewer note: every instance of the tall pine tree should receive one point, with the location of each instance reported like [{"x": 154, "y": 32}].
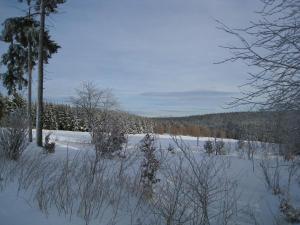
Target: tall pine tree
[
  {"x": 45, "y": 8},
  {"x": 22, "y": 35}
]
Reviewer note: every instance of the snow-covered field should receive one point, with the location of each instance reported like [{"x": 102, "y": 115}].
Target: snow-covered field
[{"x": 254, "y": 201}]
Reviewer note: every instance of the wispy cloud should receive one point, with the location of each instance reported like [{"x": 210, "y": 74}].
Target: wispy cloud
[
  {"x": 190, "y": 94},
  {"x": 180, "y": 103},
  {"x": 150, "y": 49}
]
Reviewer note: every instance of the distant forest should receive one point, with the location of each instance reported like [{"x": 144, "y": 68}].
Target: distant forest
[{"x": 262, "y": 126}]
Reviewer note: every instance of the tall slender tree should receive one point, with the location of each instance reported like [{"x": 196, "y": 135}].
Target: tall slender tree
[
  {"x": 45, "y": 8},
  {"x": 29, "y": 68},
  {"x": 39, "y": 109},
  {"x": 22, "y": 35}
]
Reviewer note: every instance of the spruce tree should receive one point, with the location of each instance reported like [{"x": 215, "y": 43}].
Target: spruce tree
[
  {"x": 45, "y": 8},
  {"x": 22, "y": 35}
]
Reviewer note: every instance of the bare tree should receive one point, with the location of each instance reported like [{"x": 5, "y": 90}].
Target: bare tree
[
  {"x": 272, "y": 46},
  {"x": 92, "y": 100},
  {"x": 106, "y": 128}
]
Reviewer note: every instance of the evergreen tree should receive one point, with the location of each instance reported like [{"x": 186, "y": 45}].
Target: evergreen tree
[
  {"x": 50, "y": 122},
  {"x": 150, "y": 164},
  {"x": 45, "y": 8},
  {"x": 22, "y": 35}
]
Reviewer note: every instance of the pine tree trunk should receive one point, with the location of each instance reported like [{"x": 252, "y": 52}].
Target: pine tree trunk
[
  {"x": 29, "y": 106},
  {"x": 29, "y": 94},
  {"x": 39, "y": 111}
]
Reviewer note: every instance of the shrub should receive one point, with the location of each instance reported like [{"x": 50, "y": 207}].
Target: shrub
[
  {"x": 219, "y": 147},
  {"x": 200, "y": 187},
  {"x": 13, "y": 135},
  {"x": 240, "y": 144},
  {"x": 49, "y": 146},
  {"x": 171, "y": 149},
  {"x": 149, "y": 166},
  {"x": 208, "y": 146},
  {"x": 108, "y": 135},
  {"x": 215, "y": 146},
  {"x": 291, "y": 214}
]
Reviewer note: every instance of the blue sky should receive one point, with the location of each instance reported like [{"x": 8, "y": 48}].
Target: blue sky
[{"x": 156, "y": 55}]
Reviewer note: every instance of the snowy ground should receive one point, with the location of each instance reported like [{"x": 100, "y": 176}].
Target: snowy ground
[{"x": 17, "y": 208}]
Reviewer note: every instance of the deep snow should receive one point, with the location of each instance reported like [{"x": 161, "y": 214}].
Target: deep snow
[{"x": 16, "y": 208}]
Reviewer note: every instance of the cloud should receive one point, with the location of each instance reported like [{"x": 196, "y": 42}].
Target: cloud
[
  {"x": 150, "y": 49},
  {"x": 193, "y": 94},
  {"x": 180, "y": 103}
]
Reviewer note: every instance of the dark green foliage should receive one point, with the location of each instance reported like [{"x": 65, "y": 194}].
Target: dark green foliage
[
  {"x": 17, "y": 102},
  {"x": 50, "y": 5},
  {"x": 11, "y": 103},
  {"x": 14, "y": 60},
  {"x": 62, "y": 117},
  {"x": 208, "y": 147},
  {"x": 50, "y": 118},
  {"x": 66, "y": 117},
  {"x": 19, "y": 32},
  {"x": 150, "y": 164}
]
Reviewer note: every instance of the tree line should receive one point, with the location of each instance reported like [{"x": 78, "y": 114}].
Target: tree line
[
  {"x": 70, "y": 118},
  {"x": 260, "y": 126}
]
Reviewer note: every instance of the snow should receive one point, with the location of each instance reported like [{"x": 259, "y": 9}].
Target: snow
[{"x": 17, "y": 207}]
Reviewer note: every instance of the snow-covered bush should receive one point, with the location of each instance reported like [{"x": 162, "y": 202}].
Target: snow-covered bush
[
  {"x": 108, "y": 135},
  {"x": 49, "y": 146},
  {"x": 240, "y": 144},
  {"x": 215, "y": 146},
  {"x": 13, "y": 135},
  {"x": 171, "y": 149},
  {"x": 219, "y": 147},
  {"x": 291, "y": 214},
  {"x": 149, "y": 166},
  {"x": 208, "y": 146}
]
